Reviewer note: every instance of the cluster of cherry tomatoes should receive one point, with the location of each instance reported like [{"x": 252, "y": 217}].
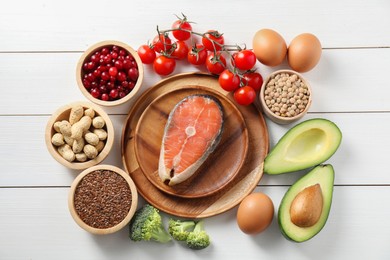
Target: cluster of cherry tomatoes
[{"x": 233, "y": 64}]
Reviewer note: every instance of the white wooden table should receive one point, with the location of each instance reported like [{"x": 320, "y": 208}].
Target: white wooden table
[{"x": 40, "y": 43}]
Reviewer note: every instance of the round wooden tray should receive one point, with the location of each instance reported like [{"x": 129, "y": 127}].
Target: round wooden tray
[
  {"x": 228, "y": 197},
  {"x": 220, "y": 167}
]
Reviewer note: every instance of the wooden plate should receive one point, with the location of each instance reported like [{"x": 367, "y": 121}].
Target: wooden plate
[
  {"x": 220, "y": 167},
  {"x": 228, "y": 197}
]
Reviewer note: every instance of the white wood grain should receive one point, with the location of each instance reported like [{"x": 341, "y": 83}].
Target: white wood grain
[
  {"x": 30, "y": 164},
  {"x": 36, "y": 224},
  {"x": 342, "y": 81},
  {"x": 40, "y": 44},
  {"x": 48, "y": 25}
]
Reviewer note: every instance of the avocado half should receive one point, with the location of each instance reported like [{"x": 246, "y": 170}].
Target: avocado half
[
  {"x": 322, "y": 175},
  {"x": 303, "y": 146}
]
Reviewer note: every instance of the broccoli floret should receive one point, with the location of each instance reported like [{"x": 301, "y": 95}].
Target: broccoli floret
[
  {"x": 146, "y": 224},
  {"x": 198, "y": 238},
  {"x": 179, "y": 229}
]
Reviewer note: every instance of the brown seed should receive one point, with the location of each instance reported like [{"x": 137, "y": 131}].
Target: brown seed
[
  {"x": 102, "y": 199},
  {"x": 306, "y": 208}
]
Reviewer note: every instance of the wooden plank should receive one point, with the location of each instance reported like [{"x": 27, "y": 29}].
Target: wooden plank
[
  {"x": 342, "y": 82},
  {"x": 38, "y": 222},
  {"x": 28, "y": 163},
  {"x": 51, "y": 26}
]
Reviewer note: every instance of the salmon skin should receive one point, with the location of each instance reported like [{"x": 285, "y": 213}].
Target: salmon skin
[{"x": 192, "y": 132}]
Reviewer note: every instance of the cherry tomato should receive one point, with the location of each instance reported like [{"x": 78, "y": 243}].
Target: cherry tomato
[
  {"x": 253, "y": 79},
  {"x": 244, "y": 95},
  {"x": 180, "y": 51},
  {"x": 163, "y": 65},
  {"x": 184, "y": 29},
  {"x": 215, "y": 64},
  {"x": 146, "y": 54},
  {"x": 213, "y": 40},
  {"x": 197, "y": 55},
  {"x": 161, "y": 43},
  {"x": 228, "y": 80},
  {"x": 244, "y": 60}
]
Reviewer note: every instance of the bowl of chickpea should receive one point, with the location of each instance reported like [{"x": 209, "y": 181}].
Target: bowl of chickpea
[{"x": 285, "y": 96}]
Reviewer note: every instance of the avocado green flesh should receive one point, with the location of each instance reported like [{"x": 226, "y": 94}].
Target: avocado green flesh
[
  {"x": 321, "y": 174},
  {"x": 305, "y": 145}
]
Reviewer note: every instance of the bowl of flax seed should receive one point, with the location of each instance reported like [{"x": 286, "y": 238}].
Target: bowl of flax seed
[{"x": 102, "y": 199}]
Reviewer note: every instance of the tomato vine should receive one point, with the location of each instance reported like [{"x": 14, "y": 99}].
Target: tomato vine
[{"x": 233, "y": 64}]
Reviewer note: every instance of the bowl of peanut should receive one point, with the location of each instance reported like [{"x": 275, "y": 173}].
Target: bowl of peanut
[
  {"x": 79, "y": 135},
  {"x": 285, "y": 96}
]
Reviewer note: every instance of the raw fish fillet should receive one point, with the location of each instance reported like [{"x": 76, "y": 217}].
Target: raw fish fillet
[{"x": 191, "y": 134}]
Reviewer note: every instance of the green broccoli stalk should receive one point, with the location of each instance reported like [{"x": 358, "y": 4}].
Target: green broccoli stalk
[
  {"x": 179, "y": 229},
  {"x": 146, "y": 225},
  {"x": 198, "y": 238}
]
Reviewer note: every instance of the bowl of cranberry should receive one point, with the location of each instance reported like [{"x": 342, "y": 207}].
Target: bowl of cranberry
[{"x": 109, "y": 73}]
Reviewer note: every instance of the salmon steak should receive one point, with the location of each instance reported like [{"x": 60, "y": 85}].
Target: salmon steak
[{"x": 192, "y": 132}]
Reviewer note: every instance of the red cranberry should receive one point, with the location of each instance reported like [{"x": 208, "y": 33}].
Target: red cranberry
[
  {"x": 113, "y": 71},
  {"x": 105, "y": 97},
  {"x": 125, "y": 84},
  {"x": 131, "y": 85},
  {"x": 114, "y": 93},
  {"x": 114, "y": 55},
  {"x": 95, "y": 93},
  {"x": 121, "y": 76},
  {"x": 126, "y": 64},
  {"x": 118, "y": 64},
  {"x": 110, "y": 85},
  {"x": 122, "y": 94},
  {"x": 133, "y": 74},
  {"x": 105, "y": 51},
  {"x": 105, "y": 75}
]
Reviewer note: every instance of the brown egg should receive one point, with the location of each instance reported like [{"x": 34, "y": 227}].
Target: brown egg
[
  {"x": 304, "y": 52},
  {"x": 255, "y": 213},
  {"x": 269, "y": 47}
]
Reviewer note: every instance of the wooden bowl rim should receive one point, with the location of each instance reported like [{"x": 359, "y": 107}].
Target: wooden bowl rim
[
  {"x": 279, "y": 119},
  {"x": 93, "y": 49},
  {"x": 102, "y": 154},
  {"x": 171, "y": 190},
  {"x": 130, "y": 214}
]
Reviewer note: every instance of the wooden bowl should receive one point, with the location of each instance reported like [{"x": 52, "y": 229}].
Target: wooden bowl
[
  {"x": 63, "y": 114},
  {"x": 102, "y": 185},
  {"x": 88, "y": 53},
  {"x": 279, "y": 119}
]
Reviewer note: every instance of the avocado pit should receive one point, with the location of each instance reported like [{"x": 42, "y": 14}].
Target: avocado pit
[{"x": 306, "y": 208}]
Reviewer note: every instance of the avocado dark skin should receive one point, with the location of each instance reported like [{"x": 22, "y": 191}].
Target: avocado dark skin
[{"x": 321, "y": 178}]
